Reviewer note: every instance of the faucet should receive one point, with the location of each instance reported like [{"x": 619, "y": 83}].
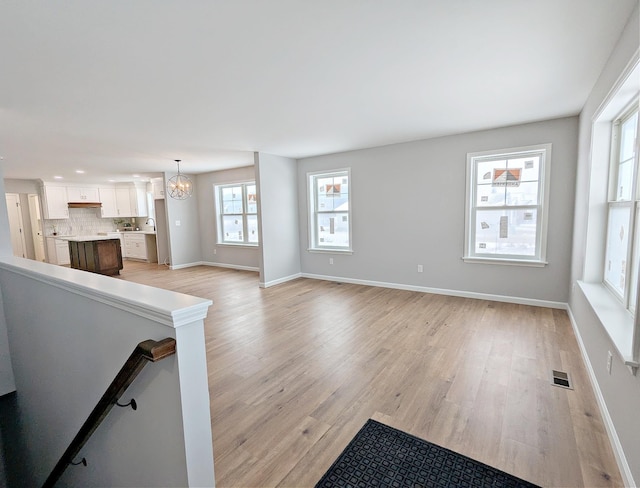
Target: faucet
[{"x": 154, "y": 223}]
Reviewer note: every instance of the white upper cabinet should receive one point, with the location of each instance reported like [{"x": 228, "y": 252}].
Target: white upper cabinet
[
  {"x": 138, "y": 202},
  {"x": 76, "y": 194},
  {"x": 123, "y": 202},
  {"x": 158, "y": 188},
  {"x": 55, "y": 202},
  {"x": 108, "y": 199}
]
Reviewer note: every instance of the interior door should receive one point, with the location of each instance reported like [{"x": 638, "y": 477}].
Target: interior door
[
  {"x": 15, "y": 225},
  {"x": 36, "y": 226}
]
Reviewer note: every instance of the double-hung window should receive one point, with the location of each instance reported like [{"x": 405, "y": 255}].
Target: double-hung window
[
  {"x": 329, "y": 211},
  {"x": 506, "y": 212},
  {"x": 623, "y": 229},
  {"x": 237, "y": 207}
]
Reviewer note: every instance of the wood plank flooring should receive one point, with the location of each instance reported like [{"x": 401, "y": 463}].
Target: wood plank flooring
[{"x": 295, "y": 370}]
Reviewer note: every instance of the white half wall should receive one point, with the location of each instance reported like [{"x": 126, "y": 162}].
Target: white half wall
[
  {"x": 70, "y": 332},
  {"x": 278, "y": 216},
  {"x": 408, "y": 209},
  {"x": 7, "y": 382}
]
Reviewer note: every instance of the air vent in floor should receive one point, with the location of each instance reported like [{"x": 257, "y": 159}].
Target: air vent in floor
[{"x": 561, "y": 379}]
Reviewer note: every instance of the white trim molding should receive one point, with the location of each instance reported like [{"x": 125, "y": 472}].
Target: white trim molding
[
  {"x": 616, "y": 446},
  {"x": 442, "y": 291},
  {"x": 280, "y": 280}
]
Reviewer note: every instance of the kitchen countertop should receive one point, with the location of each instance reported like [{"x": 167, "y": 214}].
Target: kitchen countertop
[
  {"x": 101, "y": 235},
  {"x": 87, "y": 238}
]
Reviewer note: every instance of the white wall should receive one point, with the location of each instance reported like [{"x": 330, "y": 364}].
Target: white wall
[
  {"x": 7, "y": 382},
  {"x": 408, "y": 209},
  {"x": 278, "y": 216},
  {"x": 212, "y": 253},
  {"x": 620, "y": 390},
  {"x": 184, "y": 239},
  {"x": 70, "y": 332}
]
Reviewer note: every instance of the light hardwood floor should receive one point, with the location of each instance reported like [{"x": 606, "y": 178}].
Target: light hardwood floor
[{"x": 295, "y": 370}]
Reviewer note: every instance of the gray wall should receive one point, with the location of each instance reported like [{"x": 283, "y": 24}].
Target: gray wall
[
  {"x": 22, "y": 186},
  {"x": 620, "y": 390},
  {"x": 408, "y": 209},
  {"x": 184, "y": 239},
  {"x": 279, "y": 232},
  {"x": 232, "y": 256}
]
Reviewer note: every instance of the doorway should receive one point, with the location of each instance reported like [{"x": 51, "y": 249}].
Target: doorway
[
  {"x": 36, "y": 226},
  {"x": 15, "y": 225}
]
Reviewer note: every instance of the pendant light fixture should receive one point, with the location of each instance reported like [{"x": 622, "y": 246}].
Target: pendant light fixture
[{"x": 179, "y": 186}]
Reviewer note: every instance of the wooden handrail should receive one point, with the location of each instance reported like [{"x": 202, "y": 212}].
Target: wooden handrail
[{"x": 146, "y": 351}]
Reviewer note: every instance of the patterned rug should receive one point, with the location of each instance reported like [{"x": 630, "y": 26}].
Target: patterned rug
[{"x": 381, "y": 456}]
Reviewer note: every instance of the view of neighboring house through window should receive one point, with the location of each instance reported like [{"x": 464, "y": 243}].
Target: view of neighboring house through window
[
  {"x": 506, "y": 217},
  {"x": 237, "y": 207},
  {"x": 330, "y": 222},
  {"x": 623, "y": 233}
]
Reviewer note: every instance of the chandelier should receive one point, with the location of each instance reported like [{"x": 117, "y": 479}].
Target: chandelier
[{"x": 179, "y": 186}]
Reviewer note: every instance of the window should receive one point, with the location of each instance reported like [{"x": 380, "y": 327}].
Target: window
[
  {"x": 621, "y": 255},
  {"x": 330, "y": 218},
  {"x": 506, "y": 215},
  {"x": 237, "y": 214}
]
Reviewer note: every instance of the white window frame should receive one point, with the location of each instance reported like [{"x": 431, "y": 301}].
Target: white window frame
[
  {"x": 632, "y": 204},
  {"x": 620, "y": 325},
  {"x": 542, "y": 206},
  {"x": 312, "y": 202},
  {"x": 220, "y": 213}
]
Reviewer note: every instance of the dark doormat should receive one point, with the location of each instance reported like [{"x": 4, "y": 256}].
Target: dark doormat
[{"x": 382, "y": 456}]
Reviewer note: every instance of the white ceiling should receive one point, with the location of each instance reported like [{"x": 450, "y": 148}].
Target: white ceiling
[{"x": 120, "y": 87}]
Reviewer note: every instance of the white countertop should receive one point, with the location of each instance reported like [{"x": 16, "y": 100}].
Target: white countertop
[{"x": 88, "y": 238}]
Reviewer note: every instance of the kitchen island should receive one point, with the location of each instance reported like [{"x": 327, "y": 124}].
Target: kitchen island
[{"x": 97, "y": 254}]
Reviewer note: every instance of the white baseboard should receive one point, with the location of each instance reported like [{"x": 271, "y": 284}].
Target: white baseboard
[
  {"x": 280, "y": 280},
  {"x": 618, "y": 452},
  {"x": 441, "y": 291},
  {"x": 230, "y": 266},
  {"x": 186, "y": 265}
]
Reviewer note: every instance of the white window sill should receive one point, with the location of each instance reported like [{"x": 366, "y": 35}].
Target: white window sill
[
  {"x": 505, "y": 261},
  {"x": 246, "y": 246},
  {"x": 330, "y": 251},
  {"x": 617, "y": 321}
]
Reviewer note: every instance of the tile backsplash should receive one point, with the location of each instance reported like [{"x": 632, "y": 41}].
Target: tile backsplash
[{"x": 81, "y": 222}]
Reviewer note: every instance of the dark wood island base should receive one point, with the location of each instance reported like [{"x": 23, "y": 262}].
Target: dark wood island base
[{"x": 102, "y": 256}]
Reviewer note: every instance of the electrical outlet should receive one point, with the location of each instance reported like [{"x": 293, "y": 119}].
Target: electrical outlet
[
  {"x": 609, "y": 361},
  {"x": 215, "y": 251},
  {"x": 330, "y": 260},
  {"x": 420, "y": 268},
  {"x": 177, "y": 223}
]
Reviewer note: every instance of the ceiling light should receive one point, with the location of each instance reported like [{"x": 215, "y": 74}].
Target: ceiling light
[
  {"x": 80, "y": 171},
  {"x": 179, "y": 186},
  {"x": 136, "y": 176},
  {"x": 57, "y": 177}
]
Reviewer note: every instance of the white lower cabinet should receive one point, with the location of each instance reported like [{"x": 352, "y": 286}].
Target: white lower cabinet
[
  {"x": 140, "y": 246},
  {"x": 58, "y": 251}
]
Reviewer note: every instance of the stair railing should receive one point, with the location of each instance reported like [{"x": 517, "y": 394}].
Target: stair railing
[{"x": 146, "y": 351}]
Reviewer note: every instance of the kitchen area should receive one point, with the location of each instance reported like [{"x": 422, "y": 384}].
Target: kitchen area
[{"x": 94, "y": 227}]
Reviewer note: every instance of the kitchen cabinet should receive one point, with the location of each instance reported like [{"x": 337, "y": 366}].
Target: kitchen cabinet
[
  {"x": 123, "y": 202},
  {"x": 101, "y": 255},
  {"x": 138, "y": 198},
  {"x": 58, "y": 251},
  {"x": 109, "y": 207},
  {"x": 55, "y": 202},
  {"x": 157, "y": 185},
  {"x": 76, "y": 194},
  {"x": 140, "y": 246}
]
